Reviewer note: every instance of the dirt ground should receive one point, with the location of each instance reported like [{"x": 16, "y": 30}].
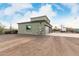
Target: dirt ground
[
  {"x": 30, "y": 45},
  {"x": 76, "y": 35}
]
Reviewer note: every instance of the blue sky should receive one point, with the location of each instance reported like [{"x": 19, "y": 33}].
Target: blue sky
[{"x": 59, "y": 13}]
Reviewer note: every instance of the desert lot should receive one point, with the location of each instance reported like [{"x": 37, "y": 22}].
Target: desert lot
[{"x": 30, "y": 45}]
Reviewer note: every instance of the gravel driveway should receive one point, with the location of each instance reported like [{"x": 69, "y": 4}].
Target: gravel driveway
[{"x": 29, "y": 45}]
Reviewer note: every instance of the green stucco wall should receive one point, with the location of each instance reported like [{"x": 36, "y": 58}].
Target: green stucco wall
[{"x": 34, "y": 30}]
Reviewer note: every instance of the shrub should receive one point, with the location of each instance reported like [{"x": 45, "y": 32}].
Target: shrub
[{"x": 11, "y": 32}]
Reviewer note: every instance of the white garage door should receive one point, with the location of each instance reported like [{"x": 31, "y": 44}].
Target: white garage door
[{"x": 46, "y": 29}]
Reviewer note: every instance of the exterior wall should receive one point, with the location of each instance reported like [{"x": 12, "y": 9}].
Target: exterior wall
[
  {"x": 43, "y": 26},
  {"x": 50, "y": 27},
  {"x": 40, "y": 18},
  {"x": 38, "y": 28},
  {"x": 34, "y": 30}
]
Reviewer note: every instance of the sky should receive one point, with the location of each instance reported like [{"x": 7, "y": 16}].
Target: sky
[{"x": 65, "y": 14}]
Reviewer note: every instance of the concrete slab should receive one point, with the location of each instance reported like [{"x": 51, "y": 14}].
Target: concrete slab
[{"x": 76, "y": 35}]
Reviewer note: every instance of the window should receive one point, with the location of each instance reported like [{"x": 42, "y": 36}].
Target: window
[{"x": 28, "y": 27}]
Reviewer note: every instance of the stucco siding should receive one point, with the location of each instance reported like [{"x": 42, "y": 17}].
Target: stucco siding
[
  {"x": 34, "y": 30},
  {"x": 39, "y": 26}
]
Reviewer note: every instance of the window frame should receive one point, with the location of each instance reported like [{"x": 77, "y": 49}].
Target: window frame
[{"x": 28, "y": 28}]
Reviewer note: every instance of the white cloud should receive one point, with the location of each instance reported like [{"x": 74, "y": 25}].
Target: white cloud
[
  {"x": 25, "y": 18},
  {"x": 59, "y": 7},
  {"x": 72, "y": 22},
  {"x": 16, "y": 7},
  {"x": 73, "y": 19},
  {"x": 11, "y": 10},
  {"x": 74, "y": 8},
  {"x": 44, "y": 10},
  {"x": 6, "y": 24}
]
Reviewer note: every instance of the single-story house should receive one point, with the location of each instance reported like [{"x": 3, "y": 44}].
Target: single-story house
[{"x": 37, "y": 26}]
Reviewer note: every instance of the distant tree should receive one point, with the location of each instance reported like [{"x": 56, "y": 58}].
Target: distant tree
[
  {"x": 56, "y": 29},
  {"x": 1, "y": 28}
]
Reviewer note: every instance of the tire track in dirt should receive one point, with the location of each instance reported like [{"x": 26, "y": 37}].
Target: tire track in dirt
[
  {"x": 45, "y": 46},
  {"x": 73, "y": 46}
]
